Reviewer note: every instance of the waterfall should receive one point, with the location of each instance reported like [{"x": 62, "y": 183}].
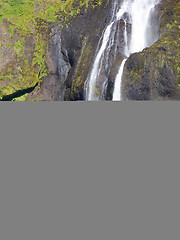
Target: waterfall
[
  {"x": 117, "y": 85},
  {"x": 92, "y": 91},
  {"x": 135, "y": 13}
]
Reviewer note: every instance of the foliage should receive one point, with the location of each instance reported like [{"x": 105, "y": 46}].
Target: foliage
[
  {"x": 23, "y": 13},
  {"x": 25, "y": 18}
]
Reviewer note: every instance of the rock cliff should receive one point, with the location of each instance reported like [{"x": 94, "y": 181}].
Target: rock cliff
[
  {"x": 154, "y": 74},
  {"x": 53, "y": 61}
]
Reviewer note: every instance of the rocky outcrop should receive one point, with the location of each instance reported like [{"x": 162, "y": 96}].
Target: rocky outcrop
[
  {"x": 154, "y": 74},
  {"x": 36, "y": 61},
  {"x": 80, "y": 40},
  {"x": 52, "y": 63},
  {"x": 54, "y": 59},
  {"x": 57, "y": 64},
  {"x": 16, "y": 70}
]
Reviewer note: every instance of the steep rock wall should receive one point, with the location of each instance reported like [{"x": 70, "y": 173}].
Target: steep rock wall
[
  {"x": 68, "y": 54},
  {"x": 80, "y": 40},
  {"x": 154, "y": 74},
  {"x": 52, "y": 87},
  {"x": 52, "y": 61}
]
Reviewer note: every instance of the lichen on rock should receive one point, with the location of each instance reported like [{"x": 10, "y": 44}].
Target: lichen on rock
[
  {"x": 31, "y": 54},
  {"x": 51, "y": 52},
  {"x": 154, "y": 74}
]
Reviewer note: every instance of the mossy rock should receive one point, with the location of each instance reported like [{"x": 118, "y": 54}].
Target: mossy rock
[
  {"x": 84, "y": 64},
  {"x": 154, "y": 74}
]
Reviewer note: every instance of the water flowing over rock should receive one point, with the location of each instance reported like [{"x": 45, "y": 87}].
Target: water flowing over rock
[
  {"x": 154, "y": 74},
  {"x": 120, "y": 50},
  {"x": 137, "y": 14}
]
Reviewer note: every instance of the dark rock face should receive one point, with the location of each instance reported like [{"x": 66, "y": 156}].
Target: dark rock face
[
  {"x": 80, "y": 40},
  {"x": 68, "y": 58},
  {"x": 70, "y": 53},
  {"x": 117, "y": 53},
  {"x": 154, "y": 74},
  {"x": 58, "y": 66}
]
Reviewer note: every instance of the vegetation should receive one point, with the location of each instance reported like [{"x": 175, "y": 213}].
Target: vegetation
[
  {"x": 155, "y": 72},
  {"x": 24, "y": 13},
  {"x": 32, "y": 18}
]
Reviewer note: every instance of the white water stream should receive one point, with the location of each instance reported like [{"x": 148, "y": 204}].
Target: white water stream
[{"x": 138, "y": 12}]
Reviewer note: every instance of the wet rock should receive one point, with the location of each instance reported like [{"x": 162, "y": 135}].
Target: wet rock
[
  {"x": 154, "y": 74},
  {"x": 80, "y": 39},
  {"x": 69, "y": 53}
]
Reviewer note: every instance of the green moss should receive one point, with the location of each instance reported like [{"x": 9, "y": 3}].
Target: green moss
[
  {"x": 32, "y": 19},
  {"x": 21, "y": 99},
  {"x": 77, "y": 88},
  {"x": 97, "y": 90},
  {"x": 33, "y": 100},
  {"x": 18, "y": 47},
  {"x": 23, "y": 13},
  {"x": 157, "y": 69},
  {"x": 169, "y": 26}
]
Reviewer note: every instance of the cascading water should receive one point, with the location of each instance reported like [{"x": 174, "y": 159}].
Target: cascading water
[
  {"x": 136, "y": 13},
  {"x": 92, "y": 91}
]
